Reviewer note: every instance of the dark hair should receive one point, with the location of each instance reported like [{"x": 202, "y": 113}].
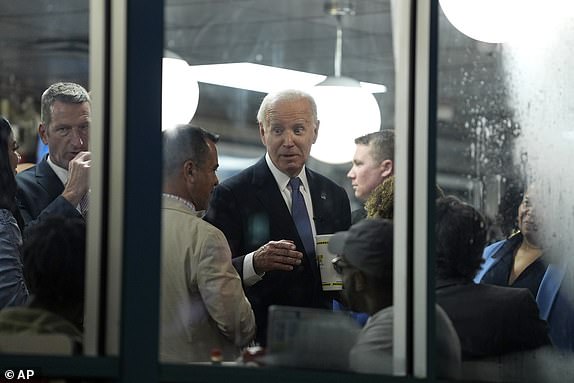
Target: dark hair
[
  {"x": 183, "y": 143},
  {"x": 382, "y": 144},
  {"x": 54, "y": 261},
  {"x": 460, "y": 238},
  {"x": 7, "y": 180}
]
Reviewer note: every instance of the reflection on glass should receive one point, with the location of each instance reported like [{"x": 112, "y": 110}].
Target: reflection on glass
[
  {"x": 45, "y": 43},
  {"x": 510, "y": 122}
]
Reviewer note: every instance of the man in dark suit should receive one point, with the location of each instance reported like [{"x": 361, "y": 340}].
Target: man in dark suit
[
  {"x": 58, "y": 185},
  {"x": 273, "y": 255},
  {"x": 490, "y": 320}
]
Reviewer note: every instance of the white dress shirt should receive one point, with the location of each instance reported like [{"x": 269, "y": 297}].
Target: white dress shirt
[{"x": 250, "y": 277}]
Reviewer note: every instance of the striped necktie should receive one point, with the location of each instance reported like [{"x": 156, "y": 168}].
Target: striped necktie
[{"x": 84, "y": 205}]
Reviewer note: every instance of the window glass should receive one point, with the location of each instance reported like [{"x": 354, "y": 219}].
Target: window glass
[
  {"x": 45, "y": 43},
  {"x": 232, "y": 57},
  {"x": 503, "y": 143}
]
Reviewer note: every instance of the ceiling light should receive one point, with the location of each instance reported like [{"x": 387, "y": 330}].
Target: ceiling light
[
  {"x": 179, "y": 94},
  {"x": 263, "y": 78},
  {"x": 345, "y": 109},
  {"x": 491, "y": 21}
]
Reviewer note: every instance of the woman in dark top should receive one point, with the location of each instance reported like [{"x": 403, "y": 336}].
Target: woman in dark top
[
  {"x": 13, "y": 290},
  {"x": 520, "y": 261}
]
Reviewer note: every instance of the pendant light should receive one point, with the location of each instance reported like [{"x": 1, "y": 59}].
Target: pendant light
[{"x": 345, "y": 109}]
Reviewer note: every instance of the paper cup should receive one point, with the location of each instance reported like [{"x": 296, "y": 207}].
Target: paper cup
[{"x": 330, "y": 280}]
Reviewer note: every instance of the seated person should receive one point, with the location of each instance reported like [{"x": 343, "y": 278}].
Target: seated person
[
  {"x": 54, "y": 261},
  {"x": 490, "y": 320},
  {"x": 525, "y": 260},
  {"x": 365, "y": 261}
]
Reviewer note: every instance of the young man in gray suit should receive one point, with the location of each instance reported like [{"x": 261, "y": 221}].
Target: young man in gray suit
[{"x": 261, "y": 211}]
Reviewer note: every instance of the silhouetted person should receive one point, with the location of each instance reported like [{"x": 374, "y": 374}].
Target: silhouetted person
[
  {"x": 54, "y": 262},
  {"x": 13, "y": 290},
  {"x": 365, "y": 261},
  {"x": 490, "y": 320}
]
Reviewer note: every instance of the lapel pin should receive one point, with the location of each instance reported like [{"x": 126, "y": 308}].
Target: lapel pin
[{"x": 323, "y": 196}]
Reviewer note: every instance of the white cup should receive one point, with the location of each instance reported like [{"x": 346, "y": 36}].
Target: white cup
[{"x": 330, "y": 280}]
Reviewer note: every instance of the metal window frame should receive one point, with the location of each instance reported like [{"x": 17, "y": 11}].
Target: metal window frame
[{"x": 125, "y": 76}]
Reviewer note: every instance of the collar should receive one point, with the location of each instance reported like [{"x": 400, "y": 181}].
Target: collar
[
  {"x": 186, "y": 203},
  {"x": 446, "y": 282},
  {"x": 282, "y": 179},
  {"x": 60, "y": 172},
  {"x": 508, "y": 247}
]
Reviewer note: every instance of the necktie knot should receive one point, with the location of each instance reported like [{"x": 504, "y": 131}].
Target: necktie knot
[{"x": 294, "y": 183}]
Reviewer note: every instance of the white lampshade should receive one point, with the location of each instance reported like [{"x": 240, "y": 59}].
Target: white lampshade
[
  {"x": 345, "y": 111},
  {"x": 179, "y": 95},
  {"x": 491, "y": 21}
]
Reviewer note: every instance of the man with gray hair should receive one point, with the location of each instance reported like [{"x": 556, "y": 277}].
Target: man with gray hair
[
  {"x": 373, "y": 163},
  {"x": 271, "y": 211},
  {"x": 202, "y": 301},
  {"x": 58, "y": 184}
]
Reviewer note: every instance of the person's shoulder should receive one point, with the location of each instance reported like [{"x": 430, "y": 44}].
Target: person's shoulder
[
  {"x": 510, "y": 295},
  {"x": 26, "y": 175},
  {"x": 319, "y": 179},
  {"x": 240, "y": 178}
]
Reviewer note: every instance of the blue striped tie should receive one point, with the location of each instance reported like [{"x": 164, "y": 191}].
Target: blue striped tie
[{"x": 301, "y": 218}]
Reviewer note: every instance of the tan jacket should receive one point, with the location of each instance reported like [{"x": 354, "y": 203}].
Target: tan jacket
[{"x": 202, "y": 301}]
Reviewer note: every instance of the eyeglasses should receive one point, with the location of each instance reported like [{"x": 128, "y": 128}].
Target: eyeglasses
[{"x": 339, "y": 264}]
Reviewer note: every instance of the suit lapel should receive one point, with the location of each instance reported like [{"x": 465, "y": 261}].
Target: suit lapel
[
  {"x": 268, "y": 194},
  {"x": 319, "y": 197},
  {"x": 46, "y": 178}
]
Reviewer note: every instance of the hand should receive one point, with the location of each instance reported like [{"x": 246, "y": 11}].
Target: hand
[
  {"x": 276, "y": 255},
  {"x": 78, "y": 178}
]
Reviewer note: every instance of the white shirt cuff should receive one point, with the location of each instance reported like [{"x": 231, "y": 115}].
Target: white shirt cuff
[{"x": 250, "y": 277}]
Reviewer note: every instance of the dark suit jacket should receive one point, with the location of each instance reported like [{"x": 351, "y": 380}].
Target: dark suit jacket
[
  {"x": 358, "y": 215},
  {"x": 492, "y": 320},
  {"x": 251, "y": 211},
  {"x": 39, "y": 194}
]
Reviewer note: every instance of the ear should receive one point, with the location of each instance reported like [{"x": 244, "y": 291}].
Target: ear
[
  {"x": 359, "y": 281},
  {"x": 43, "y": 132},
  {"x": 262, "y": 134},
  {"x": 189, "y": 171},
  {"x": 387, "y": 168},
  {"x": 316, "y": 131}
]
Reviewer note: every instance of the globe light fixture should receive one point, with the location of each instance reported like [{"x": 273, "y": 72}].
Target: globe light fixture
[
  {"x": 179, "y": 94},
  {"x": 344, "y": 108},
  {"x": 491, "y": 21}
]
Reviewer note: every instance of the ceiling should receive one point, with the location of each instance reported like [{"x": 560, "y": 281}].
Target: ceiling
[{"x": 47, "y": 40}]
